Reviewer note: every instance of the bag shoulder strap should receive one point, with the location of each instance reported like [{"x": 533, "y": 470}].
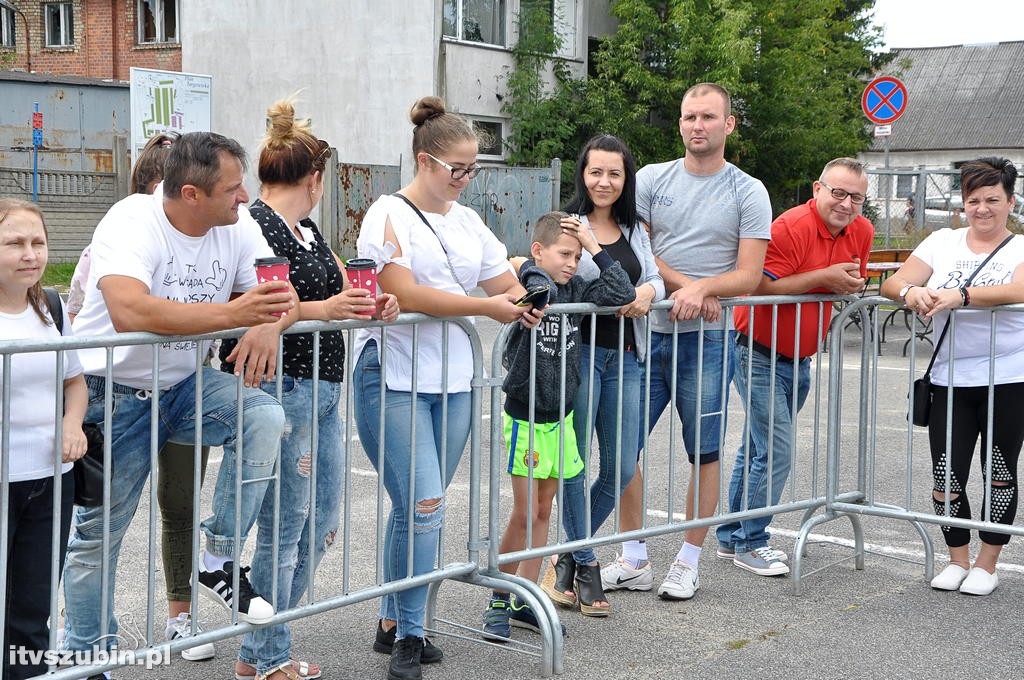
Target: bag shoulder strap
[
  {"x": 970, "y": 279},
  {"x": 451, "y": 267},
  {"x": 56, "y": 308}
]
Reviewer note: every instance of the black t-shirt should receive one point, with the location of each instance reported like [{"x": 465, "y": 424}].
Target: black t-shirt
[
  {"x": 315, "y": 275},
  {"x": 608, "y": 324}
]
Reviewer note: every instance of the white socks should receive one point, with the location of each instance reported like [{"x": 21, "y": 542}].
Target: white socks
[
  {"x": 635, "y": 553},
  {"x": 689, "y": 554},
  {"x": 214, "y": 562}
]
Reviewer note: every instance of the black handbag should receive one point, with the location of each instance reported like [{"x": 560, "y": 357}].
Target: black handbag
[
  {"x": 87, "y": 470},
  {"x": 922, "y": 391}
]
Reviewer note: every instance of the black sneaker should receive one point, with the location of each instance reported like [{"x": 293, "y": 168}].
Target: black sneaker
[
  {"x": 522, "y": 616},
  {"x": 406, "y": 659},
  {"x": 216, "y": 585},
  {"x": 385, "y": 643}
]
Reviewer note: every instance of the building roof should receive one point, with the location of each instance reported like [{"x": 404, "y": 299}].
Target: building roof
[
  {"x": 27, "y": 77},
  {"x": 959, "y": 97}
]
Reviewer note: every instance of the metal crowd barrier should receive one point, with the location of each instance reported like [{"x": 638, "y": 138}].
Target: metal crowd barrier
[
  {"x": 836, "y": 476},
  {"x": 664, "y": 462},
  {"x": 145, "y": 642},
  {"x": 891, "y": 476}
]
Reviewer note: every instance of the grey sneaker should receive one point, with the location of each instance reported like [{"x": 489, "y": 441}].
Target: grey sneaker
[
  {"x": 681, "y": 582},
  {"x": 729, "y": 552},
  {"x": 762, "y": 561}
]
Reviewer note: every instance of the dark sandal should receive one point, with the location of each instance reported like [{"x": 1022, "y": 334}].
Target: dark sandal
[
  {"x": 559, "y": 579},
  {"x": 589, "y": 590}
]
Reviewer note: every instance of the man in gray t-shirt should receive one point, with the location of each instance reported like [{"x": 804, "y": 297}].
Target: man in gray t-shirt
[{"x": 710, "y": 224}]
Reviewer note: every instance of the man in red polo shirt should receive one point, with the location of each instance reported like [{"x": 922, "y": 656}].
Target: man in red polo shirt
[{"x": 819, "y": 247}]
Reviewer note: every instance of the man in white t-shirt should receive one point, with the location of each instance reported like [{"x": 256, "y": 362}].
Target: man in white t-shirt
[
  {"x": 178, "y": 262},
  {"x": 710, "y": 224}
]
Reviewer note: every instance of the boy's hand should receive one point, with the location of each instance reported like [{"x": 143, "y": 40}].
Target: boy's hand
[{"x": 573, "y": 226}]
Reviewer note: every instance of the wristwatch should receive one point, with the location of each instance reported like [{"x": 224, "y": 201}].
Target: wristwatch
[{"x": 904, "y": 290}]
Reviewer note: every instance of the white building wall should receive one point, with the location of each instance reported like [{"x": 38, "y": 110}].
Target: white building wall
[
  {"x": 937, "y": 160},
  {"x": 360, "y": 64}
]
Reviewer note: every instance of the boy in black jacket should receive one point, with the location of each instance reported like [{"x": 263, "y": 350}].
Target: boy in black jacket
[{"x": 556, "y": 249}]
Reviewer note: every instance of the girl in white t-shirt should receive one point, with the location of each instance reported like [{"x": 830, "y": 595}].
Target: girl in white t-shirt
[
  {"x": 932, "y": 283},
  {"x": 430, "y": 257},
  {"x": 31, "y": 456}
]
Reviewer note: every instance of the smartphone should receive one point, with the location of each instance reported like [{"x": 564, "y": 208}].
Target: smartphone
[{"x": 536, "y": 297}]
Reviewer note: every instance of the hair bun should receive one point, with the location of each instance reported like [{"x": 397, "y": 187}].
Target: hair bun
[{"x": 425, "y": 109}]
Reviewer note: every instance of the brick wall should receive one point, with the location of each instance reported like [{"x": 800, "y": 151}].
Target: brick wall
[{"x": 106, "y": 41}]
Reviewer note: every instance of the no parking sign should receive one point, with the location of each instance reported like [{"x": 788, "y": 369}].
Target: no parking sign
[{"x": 884, "y": 100}]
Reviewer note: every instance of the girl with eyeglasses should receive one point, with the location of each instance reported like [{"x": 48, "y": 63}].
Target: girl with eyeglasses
[{"x": 430, "y": 252}]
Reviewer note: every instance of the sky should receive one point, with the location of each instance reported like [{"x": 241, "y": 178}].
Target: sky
[{"x": 931, "y": 23}]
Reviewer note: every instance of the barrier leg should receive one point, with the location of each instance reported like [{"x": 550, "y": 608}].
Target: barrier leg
[{"x": 926, "y": 543}]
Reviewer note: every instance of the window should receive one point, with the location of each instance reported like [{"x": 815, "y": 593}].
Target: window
[
  {"x": 904, "y": 185},
  {"x": 481, "y": 21},
  {"x": 60, "y": 24},
  {"x": 7, "y": 38},
  {"x": 556, "y": 15},
  {"x": 492, "y": 141},
  {"x": 158, "y": 21}
]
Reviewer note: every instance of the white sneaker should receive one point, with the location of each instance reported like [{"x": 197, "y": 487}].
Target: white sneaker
[
  {"x": 620, "y": 575},
  {"x": 979, "y": 582},
  {"x": 681, "y": 582},
  {"x": 181, "y": 627},
  {"x": 950, "y": 578},
  {"x": 772, "y": 554}
]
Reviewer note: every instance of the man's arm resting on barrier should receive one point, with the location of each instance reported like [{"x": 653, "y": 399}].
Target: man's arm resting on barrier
[
  {"x": 132, "y": 308},
  {"x": 699, "y": 297},
  {"x": 841, "y": 278},
  {"x": 255, "y": 355}
]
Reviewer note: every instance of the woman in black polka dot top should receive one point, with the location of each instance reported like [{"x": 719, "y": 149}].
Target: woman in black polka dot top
[{"x": 291, "y": 167}]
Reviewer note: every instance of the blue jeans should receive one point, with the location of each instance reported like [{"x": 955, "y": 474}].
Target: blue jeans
[
  {"x": 268, "y": 647},
  {"x": 752, "y": 457},
  {"x": 616, "y": 455},
  {"x": 401, "y": 455},
  {"x": 713, "y": 399},
  {"x": 130, "y": 456}
]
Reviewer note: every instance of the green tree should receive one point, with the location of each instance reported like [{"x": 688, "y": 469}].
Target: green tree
[{"x": 796, "y": 69}]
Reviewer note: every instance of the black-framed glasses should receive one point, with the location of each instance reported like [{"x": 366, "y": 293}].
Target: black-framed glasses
[
  {"x": 458, "y": 173},
  {"x": 841, "y": 194}
]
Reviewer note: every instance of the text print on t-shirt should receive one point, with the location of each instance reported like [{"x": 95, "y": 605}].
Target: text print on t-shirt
[
  {"x": 194, "y": 284},
  {"x": 995, "y": 274}
]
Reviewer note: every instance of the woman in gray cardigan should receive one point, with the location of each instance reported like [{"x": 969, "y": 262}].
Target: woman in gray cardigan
[{"x": 605, "y": 198}]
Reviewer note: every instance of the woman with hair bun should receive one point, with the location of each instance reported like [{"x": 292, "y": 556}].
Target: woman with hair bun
[
  {"x": 291, "y": 172},
  {"x": 430, "y": 252}
]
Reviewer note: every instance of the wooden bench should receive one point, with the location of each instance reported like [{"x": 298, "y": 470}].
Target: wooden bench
[{"x": 887, "y": 261}]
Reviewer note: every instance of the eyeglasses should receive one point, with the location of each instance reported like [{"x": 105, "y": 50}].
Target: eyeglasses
[
  {"x": 841, "y": 194},
  {"x": 458, "y": 173}
]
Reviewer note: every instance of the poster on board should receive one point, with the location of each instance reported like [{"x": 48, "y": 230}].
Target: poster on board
[{"x": 168, "y": 100}]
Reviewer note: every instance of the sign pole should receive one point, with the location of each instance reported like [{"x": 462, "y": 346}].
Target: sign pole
[
  {"x": 35, "y": 156},
  {"x": 888, "y": 191},
  {"x": 883, "y": 101}
]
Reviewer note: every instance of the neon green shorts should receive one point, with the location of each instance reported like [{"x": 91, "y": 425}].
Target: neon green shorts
[{"x": 546, "y": 438}]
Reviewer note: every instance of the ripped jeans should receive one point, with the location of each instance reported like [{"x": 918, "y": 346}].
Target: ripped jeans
[
  {"x": 268, "y": 647},
  {"x": 427, "y": 486}
]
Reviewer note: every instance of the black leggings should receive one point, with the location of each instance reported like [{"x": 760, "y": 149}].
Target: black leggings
[{"x": 970, "y": 413}]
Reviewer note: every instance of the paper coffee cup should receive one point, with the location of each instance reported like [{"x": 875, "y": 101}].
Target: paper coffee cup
[
  {"x": 273, "y": 269},
  {"x": 362, "y": 273}
]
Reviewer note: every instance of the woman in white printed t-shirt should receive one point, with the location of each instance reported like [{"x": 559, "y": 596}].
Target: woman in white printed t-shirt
[
  {"x": 31, "y": 456},
  {"x": 430, "y": 252},
  {"x": 932, "y": 282}
]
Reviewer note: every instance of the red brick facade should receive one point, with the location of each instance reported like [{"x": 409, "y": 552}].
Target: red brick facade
[{"x": 106, "y": 41}]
